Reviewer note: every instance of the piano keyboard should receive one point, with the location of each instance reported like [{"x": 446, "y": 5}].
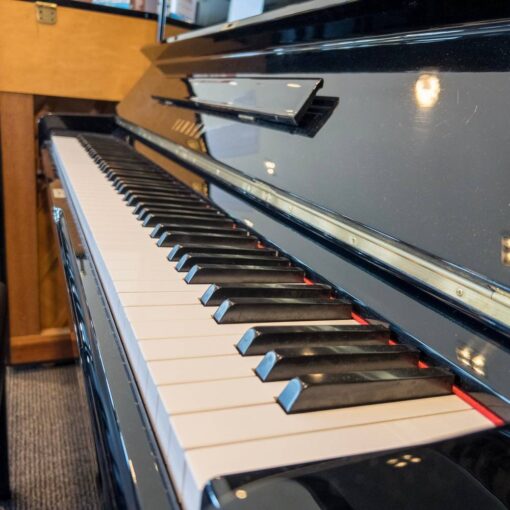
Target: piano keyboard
[{"x": 243, "y": 363}]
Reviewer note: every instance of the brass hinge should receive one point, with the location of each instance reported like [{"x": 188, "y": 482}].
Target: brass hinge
[{"x": 46, "y": 13}]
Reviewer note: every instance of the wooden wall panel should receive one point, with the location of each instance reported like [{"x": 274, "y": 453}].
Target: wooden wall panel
[{"x": 86, "y": 54}]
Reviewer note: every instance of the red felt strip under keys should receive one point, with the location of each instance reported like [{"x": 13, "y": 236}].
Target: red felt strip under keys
[{"x": 487, "y": 413}]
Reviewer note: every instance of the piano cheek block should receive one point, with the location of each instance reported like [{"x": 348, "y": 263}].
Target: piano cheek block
[{"x": 323, "y": 391}]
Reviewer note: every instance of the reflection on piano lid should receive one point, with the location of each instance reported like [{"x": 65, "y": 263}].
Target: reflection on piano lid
[{"x": 339, "y": 295}]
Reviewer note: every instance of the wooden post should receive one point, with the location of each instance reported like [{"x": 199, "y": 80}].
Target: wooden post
[
  {"x": 20, "y": 206},
  {"x": 30, "y": 339}
]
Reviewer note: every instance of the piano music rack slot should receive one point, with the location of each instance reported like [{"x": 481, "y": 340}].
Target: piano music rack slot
[
  {"x": 289, "y": 104},
  {"x": 317, "y": 113}
]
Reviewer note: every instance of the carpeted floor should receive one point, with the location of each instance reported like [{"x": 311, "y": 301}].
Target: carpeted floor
[{"x": 51, "y": 452}]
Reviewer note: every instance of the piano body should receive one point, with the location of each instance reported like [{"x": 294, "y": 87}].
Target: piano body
[{"x": 309, "y": 307}]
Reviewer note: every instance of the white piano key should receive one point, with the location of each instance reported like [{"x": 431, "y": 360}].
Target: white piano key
[
  {"x": 226, "y": 426},
  {"x": 221, "y": 394},
  {"x": 178, "y": 348},
  {"x": 158, "y": 298},
  {"x": 152, "y": 286},
  {"x": 203, "y": 327},
  {"x": 146, "y": 274},
  {"x": 203, "y": 464},
  {"x": 202, "y": 369},
  {"x": 170, "y": 313}
]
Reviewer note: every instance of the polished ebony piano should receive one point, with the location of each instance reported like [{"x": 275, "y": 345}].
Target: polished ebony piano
[{"x": 288, "y": 261}]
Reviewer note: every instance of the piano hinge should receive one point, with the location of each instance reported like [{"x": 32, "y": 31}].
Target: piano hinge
[{"x": 46, "y": 13}]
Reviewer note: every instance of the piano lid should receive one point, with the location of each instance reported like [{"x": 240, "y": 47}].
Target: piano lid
[{"x": 407, "y": 168}]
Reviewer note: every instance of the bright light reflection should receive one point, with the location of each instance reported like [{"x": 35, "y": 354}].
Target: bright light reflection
[
  {"x": 270, "y": 167},
  {"x": 294, "y": 85},
  {"x": 426, "y": 90},
  {"x": 241, "y": 494}
]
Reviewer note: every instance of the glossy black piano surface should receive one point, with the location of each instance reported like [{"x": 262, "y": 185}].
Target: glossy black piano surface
[
  {"x": 470, "y": 472},
  {"x": 389, "y": 119}
]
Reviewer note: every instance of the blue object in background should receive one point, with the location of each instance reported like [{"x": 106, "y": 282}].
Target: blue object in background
[{"x": 119, "y": 4}]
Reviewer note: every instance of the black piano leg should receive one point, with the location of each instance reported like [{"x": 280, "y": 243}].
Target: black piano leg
[{"x": 4, "y": 454}]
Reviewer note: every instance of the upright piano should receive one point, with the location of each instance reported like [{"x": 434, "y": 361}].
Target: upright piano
[{"x": 288, "y": 262}]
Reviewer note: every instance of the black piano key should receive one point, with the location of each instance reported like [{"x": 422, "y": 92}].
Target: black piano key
[
  {"x": 106, "y": 164},
  {"x": 328, "y": 391},
  {"x": 239, "y": 239},
  {"x": 216, "y": 294},
  {"x": 290, "y": 362},
  {"x": 168, "y": 189},
  {"x": 182, "y": 249},
  {"x": 147, "y": 181},
  {"x": 148, "y": 184},
  {"x": 151, "y": 220},
  {"x": 187, "y": 261},
  {"x": 213, "y": 273},
  {"x": 171, "y": 202},
  {"x": 183, "y": 224},
  {"x": 144, "y": 208},
  {"x": 113, "y": 174},
  {"x": 168, "y": 238},
  {"x": 145, "y": 177},
  {"x": 261, "y": 339},
  {"x": 188, "y": 219},
  {"x": 133, "y": 199},
  {"x": 237, "y": 310},
  {"x": 177, "y": 207},
  {"x": 139, "y": 171},
  {"x": 135, "y": 196},
  {"x": 165, "y": 194},
  {"x": 118, "y": 156},
  {"x": 146, "y": 174},
  {"x": 126, "y": 167},
  {"x": 171, "y": 209},
  {"x": 142, "y": 178}
]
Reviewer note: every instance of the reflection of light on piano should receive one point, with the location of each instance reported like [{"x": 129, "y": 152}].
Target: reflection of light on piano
[
  {"x": 248, "y": 222},
  {"x": 475, "y": 361},
  {"x": 403, "y": 460},
  {"x": 233, "y": 83},
  {"x": 505, "y": 250},
  {"x": 241, "y": 494},
  {"x": 426, "y": 90},
  {"x": 270, "y": 167},
  {"x": 464, "y": 355},
  {"x": 294, "y": 85},
  {"x": 478, "y": 364}
]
